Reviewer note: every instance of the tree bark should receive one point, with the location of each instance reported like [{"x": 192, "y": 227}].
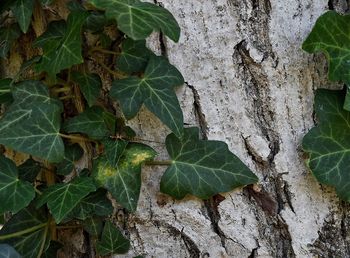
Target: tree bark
[{"x": 248, "y": 83}]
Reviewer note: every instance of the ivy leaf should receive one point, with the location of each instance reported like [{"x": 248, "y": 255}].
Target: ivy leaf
[
  {"x": 112, "y": 241},
  {"x": 63, "y": 197},
  {"x": 134, "y": 56},
  {"x": 7, "y": 251},
  {"x": 123, "y": 181},
  {"x": 96, "y": 203},
  {"x": 5, "y": 91},
  {"x": 52, "y": 249},
  {"x": 29, "y": 170},
  {"x": 72, "y": 153},
  {"x": 65, "y": 51},
  {"x": 114, "y": 150},
  {"x": 96, "y": 22},
  {"x": 46, "y": 2},
  {"x": 155, "y": 90},
  {"x": 91, "y": 122},
  {"x": 33, "y": 243},
  {"x": 23, "y": 10},
  {"x": 7, "y": 36},
  {"x": 328, "y": 143},
  {"x": 330, "y": 36},
  {"x": 93, "y": 225},
  {"x": 15, "y": 194},
  {"x": 90, "y": 86},
  {"x": 202, "y": 168},
  {"x": 138, "y": 19},
  {"x": 32, "y": 122},
  {"x": 52, "y": 36}
]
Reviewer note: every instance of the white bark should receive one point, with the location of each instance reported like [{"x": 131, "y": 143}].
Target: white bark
[{"x": 248, "y": 83}]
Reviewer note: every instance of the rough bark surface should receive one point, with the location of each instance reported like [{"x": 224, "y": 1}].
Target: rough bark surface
[{"x": 248, "y": 83}]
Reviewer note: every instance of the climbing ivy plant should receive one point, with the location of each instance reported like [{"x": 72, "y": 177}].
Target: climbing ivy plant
[
  {"x": 53, "y": 111},
  {"x": 328, "y": 144}
]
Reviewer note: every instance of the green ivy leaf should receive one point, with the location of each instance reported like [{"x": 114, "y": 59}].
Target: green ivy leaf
[
  {"x": 96, "y": 203},
  {"x": 32, "y": 122},
  {"x": 155, "y": 90},
  {"x": 52, "y": 36},
  {"x": 23, "y": 10},
  {"x": 52, "y": 249},
  {"x": 7, "y": 251},
  {"x": 29, "y": 170},
  {"x": 93, "y": 225},
  {"x": 114, "y": 150},
  {"x": 64, "y": 197},
  {"x": 133, "y": 57},
  {"x": 96, "y": 22},
  {"x": 112, "y": 241},
  {"x": 5, "y": 91},
  {"x": 123, "y": 181},
  {"x": 31, "y": 244},
  {"x": 72, "y": 153},
  {"x": 138, "y": 19},
  {"x": 328, "y": 143},
  {"x": 91, "y": 122},
  {"x": 65, "y": 51},
  {"x": 202, "y": 168},
  {"x": 90, "y": 85},
  {"x": 15, "y": 194},
  {"x": 330, "y": 36},
  {"x": 7, "y": 36}
]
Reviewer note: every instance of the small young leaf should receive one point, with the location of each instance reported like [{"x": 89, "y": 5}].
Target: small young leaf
[
  {"x": 15, "y": 194},
  {"x": 328, "y": 143},
  {"x": 96, "y": 22},
  {"x": 64, "y": 197},
  {"x": 72, "y": 153},
  {"x": 202, "y": 168},
  {"x": 123, "y": 181},
  {"x": 23, "y": 10},
  {"x": 65, "y": 51},
  {"x": 138, "y": 19},
  {"x": 90, "y": 85},
  {"x": 7, "y": 36},
  {"x": 29, "y": 244},
  {"x": 134, "y": 56},
  {"x": 7, "y": 251},
  {"x": 93, "y": 225},
  {"x": 5, "y": 91},
  {"x": 94, "y": 204},
  {"x": 32, "y": 122},
  {"x": 29, "y": 170},
  {"x": 112, "y": 241},
  {"x": 155, "y": 90},
  {"x": 91, "y": 122}
]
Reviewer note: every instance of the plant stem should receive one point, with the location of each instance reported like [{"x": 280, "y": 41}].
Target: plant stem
[
  {"x": 63, "y": 89},
  {"x": 76, "y": 138},
  {"x": 43, "y": 242},
  {"x": 5, "y": 91},
  {"x": 68, "y": 227},
  {"x": 105, "y": 51},
  {"x": 114, "y": 73},
  {"x": 22, "y": 232},
  {"x": 159, "y": 163}
]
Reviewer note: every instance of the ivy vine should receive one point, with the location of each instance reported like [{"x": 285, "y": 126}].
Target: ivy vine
[
  {"x": 52, "y": 112},
  {"x": 328, "y": 144}
]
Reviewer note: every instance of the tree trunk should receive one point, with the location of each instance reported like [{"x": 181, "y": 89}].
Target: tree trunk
[{"x": 248, "y": 83}]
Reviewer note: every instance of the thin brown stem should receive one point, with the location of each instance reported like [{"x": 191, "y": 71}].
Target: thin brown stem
[
  {"x": 101, "y": 50},
  {"x": 76, "y": 138}
]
